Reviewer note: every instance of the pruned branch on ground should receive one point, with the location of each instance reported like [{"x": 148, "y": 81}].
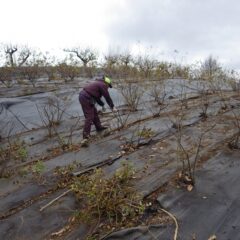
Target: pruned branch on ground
[{"x": 110, "y": 200}]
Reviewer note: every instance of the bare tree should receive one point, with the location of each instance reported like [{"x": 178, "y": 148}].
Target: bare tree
[
  {"x": 111, "y": 63},
  {"x": 124, "y": 65},
  {"x": 67, "y": 71},
  {"x": 10, "y": 50},
  {"x": 32, "y": 68},
  {"x": 16, "y": 55},
  {"x": 146, "y": 65},
  {"x": 111, "y": 59},
  {"x": 49, "y": 66},
  {"x": 212, "y": 72},
  {"x": 86, "y": 55},
  {"x": 126, "y": 59},
  {"x": 179, "y": 71},
  {"x": 31, "y": 73},
  {"x": 209, "y": 68},
  {"x": 162, "y": 70}
]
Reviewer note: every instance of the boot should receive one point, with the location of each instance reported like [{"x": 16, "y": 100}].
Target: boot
[
  {"x": 101, "y": 129},
  {"x": 85, "y": 142}
]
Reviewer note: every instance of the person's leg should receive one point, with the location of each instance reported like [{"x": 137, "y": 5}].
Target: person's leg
[
  {"x": 89, "y": 116},
  {"x": 96, "y": 120},
  {"x": 88, "y": 111}
]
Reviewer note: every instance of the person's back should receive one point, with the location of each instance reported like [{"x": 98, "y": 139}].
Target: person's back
[{"x": 97, "y": 89}]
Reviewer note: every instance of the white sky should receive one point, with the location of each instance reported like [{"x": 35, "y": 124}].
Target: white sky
[
  {"x": 54, "y": 23},
  {"x": 196, "y": 29}
]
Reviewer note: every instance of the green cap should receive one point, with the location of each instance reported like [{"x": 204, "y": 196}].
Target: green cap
[{"x": 108, "y": 81}]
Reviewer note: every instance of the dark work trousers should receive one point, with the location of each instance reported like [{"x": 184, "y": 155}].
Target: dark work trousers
[{"x": 90, "y": 113}]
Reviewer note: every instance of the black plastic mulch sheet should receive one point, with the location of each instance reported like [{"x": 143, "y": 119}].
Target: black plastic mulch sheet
[{"x": 211, "y": 208}]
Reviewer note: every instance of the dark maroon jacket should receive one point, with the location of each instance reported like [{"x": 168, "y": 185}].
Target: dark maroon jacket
[{"x": 97, "y": 89}]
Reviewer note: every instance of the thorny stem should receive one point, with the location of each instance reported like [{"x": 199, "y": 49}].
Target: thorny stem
[{"x": 198, "y": 150}]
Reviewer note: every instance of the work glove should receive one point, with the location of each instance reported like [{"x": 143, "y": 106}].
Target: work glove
[
  {"x": 114, "y": 110},
  {"x": 103, "y": 109}
]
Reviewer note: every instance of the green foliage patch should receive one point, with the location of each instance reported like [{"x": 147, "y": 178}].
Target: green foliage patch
[{"x": 110, "y": 199}]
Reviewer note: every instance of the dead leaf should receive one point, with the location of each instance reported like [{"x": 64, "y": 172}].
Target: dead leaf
[
  {"x": 190, "y": 188},
  {"x": 60, "y": 232},
  {"x": 187, "y": 178},
  {"x": 213, "y": 237}
]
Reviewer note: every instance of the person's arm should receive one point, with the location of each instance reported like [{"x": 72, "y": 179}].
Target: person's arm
[
  {"x": 99, "y": 102},
  {"x": 107, "y": 97}
]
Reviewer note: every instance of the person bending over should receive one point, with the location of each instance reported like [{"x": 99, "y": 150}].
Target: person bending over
[{"x": 88, "y": 96}]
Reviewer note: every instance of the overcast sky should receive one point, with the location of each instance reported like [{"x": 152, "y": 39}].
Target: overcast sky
[{"x": 179, "y": 30}]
